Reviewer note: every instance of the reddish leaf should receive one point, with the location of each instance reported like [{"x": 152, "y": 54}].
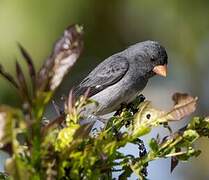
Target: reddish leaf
[
  {"x": 29, "y": 62},
  {"x": 71, "y": 102},
  {"x": 22, "y": 83},
  {"x": 174, "y": 163},
  {"x": 8, "y": 77},
  {"x": 65, "y": 53}
]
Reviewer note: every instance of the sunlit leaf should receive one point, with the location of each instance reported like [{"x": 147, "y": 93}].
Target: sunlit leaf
[
  {"x": 65, "y": 137},
  {"x": 6, "y": 121},
  {"x": 20, "y": 169},
  {"x": 10, "y": 127},
  {"x": 147, "y": 115},
  {"x": 200, "y": 125}
]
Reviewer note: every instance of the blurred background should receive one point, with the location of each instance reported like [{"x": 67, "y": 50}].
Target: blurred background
[{"x": 110, "y": 26}]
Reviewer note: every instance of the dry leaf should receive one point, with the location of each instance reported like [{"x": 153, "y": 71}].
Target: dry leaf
[
  {"x": 184, "y": 105},
  {"x": 67, "y": 51}
]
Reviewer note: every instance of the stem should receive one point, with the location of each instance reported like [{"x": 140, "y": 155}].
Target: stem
[{"x": 176, "y": 154}]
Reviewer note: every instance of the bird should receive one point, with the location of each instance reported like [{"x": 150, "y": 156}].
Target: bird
[{"x": 121, "y": 77}]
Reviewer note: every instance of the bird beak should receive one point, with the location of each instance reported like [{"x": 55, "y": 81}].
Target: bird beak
[{"x": 160, "y": 70}]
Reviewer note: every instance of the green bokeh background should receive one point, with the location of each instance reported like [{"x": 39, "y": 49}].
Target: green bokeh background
[{"x": 110, "y": 26}]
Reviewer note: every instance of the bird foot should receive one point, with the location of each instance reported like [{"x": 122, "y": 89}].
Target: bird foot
[{"x": 132, "y": 106}]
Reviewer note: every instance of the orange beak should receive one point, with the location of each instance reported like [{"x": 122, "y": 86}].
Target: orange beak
[{"x": 160, "y": 70}]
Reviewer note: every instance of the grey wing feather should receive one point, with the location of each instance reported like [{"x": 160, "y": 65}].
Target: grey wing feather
[{"x": 105, "y": 74}]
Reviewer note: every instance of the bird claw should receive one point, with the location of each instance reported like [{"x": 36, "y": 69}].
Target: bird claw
[{"x": 132, "y": 106}]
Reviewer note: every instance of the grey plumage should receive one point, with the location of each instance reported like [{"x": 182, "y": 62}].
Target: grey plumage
[{"x": 122, "y": 76}]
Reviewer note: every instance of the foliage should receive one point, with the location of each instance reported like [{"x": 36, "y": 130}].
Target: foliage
[{"x": 65, "y": 148}]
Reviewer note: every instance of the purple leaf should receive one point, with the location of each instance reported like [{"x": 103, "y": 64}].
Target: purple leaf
[
  {"x": 8, "y": 77},
  {"x": 64, "y": 55},
  {"x": 22, "y": 83},
  {"x": 30, "y": 64},
  {"x": 174, "y": 163}
]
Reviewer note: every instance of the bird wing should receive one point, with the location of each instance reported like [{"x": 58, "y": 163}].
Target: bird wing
[{"x": 104, "y": 75}]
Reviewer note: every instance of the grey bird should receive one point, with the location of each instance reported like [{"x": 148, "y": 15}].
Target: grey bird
[{"x": 122, "y": 76}]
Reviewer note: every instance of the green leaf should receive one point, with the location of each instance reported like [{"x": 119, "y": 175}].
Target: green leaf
[
  {"x": 190, "y": 136},
  {"x": 4, "y": 176},
  {"x": 153, "y": 145},
  {"x": 190, "y": 153},
  {"x": 19, "y": 169},
  {"x": 7, "y": 122},
  {"x": 65, "y": 137}
]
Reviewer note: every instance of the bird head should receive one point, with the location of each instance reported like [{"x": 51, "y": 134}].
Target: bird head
[{"x": 151, "y": 58}]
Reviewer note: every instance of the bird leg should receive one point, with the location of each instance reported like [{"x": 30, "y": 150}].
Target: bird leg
[
  {"x": 120, "y": 110},
  {"x": 132, "y": 106}
]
